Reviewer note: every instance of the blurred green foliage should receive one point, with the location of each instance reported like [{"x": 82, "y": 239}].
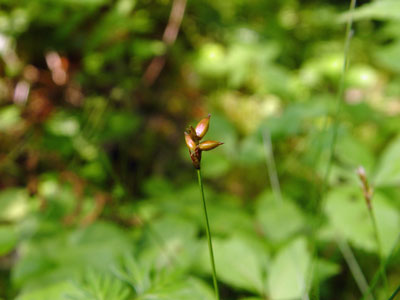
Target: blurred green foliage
[{"x": 98, "y": 197}]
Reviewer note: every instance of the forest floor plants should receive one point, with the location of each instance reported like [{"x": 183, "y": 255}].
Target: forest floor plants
[
  {"x": 322, "y": 189},
  {"x": 367, "y": 189}
]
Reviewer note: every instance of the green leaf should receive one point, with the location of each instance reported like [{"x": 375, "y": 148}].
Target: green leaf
[
  {"x": 13, "y": 204},
  {"x": 147, "y": 48},
  {"x": 288, "y": 272},
  {"x": 94, "y": 171},
  {"x": 171, "y": 227},
  {"x": 378, "y": 10},
  {"x": 352, "y": 152},
  {"x": 238, "y": 263},
  {"x": 389, "y": 56},
  {"x": 279, "y": 221},
  {"x": 388, "y": 222},
  {"x": 8, "y": 238},
  {"x": 180, "y": 289},
  {"x": 388, "y": 171},
  {"x": 252, "y": 151},
  {"x": 99, "y": 287},
  {"x": 56, "y": 291},
  {"x": 119, "y": 125},
  {"x": 135, "y": 273},
  {"x": 229, "y": 217},
  {"x": 157, "y": 186},
  {"x": 215, "y": 164},
  {"x": 83, "y": 3},
  {"x": 66, "y": 255},
  {"x": 325, "y": 269},
  {"x": 9, "y": 117},
  {"x": 169, "y": 242},
  {"x": 348, "y": 215},
  {"x": 62, "y": 124}
]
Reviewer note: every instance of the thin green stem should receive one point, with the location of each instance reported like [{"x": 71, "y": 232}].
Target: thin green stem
[
  {"x": 339, "y": 95},
  {"x": 208, "y": 231},
  {"x": 321, "y": 189},
  {"x": 395, "y": 293},
  {"x": 380, "y": 250},
  {"x": 383, "y": 265},
  {"x": 353, "y": 264},
  {"x": 270, "y": 161}
]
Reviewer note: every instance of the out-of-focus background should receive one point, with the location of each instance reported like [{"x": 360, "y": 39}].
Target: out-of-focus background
[{"x": 99, "y": 199}]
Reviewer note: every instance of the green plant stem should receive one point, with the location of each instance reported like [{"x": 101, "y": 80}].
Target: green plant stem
[
  {"x": 339, "y": 96},
  {"x": 270, "y": 161},
  {"x": 354, "y": 267},
  {"x": 383, "y": 265},
  {"x": 322, "y": 188},
  {"x": 208, "y": 231},
  {"x": 380, "y": 250},
  {"x": 395, "y": 293}
]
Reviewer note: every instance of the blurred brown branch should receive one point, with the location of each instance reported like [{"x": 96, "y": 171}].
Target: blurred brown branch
[{"x": 169, "y": 37}]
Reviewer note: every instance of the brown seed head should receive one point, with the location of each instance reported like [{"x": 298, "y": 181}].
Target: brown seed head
[
  {"x": 209, "y": 145},
  {"x": 202, "y": 127},
  {"x": 193, "y": 137},
  {"x": 368, "y": 191},
  {"x": 189, "y": 142},
  {"x": 361, "y": 173}
]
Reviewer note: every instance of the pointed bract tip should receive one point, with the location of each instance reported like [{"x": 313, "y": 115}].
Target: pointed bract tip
[{"x": 209, "y": 145}]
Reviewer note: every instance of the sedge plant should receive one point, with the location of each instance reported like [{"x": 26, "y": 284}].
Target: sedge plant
[
  {"x": 193, "y": 137},
  {"x": 368, "y": 193},
  {"x": 322, "y": 188}
]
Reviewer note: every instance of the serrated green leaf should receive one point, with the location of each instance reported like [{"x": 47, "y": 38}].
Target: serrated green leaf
[
  {"x": 135, "y": 273},
  {"x": 97, "y": 286}
]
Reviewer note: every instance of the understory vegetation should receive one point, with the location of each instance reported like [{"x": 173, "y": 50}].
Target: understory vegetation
[{"x": 98, "y": 195}]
